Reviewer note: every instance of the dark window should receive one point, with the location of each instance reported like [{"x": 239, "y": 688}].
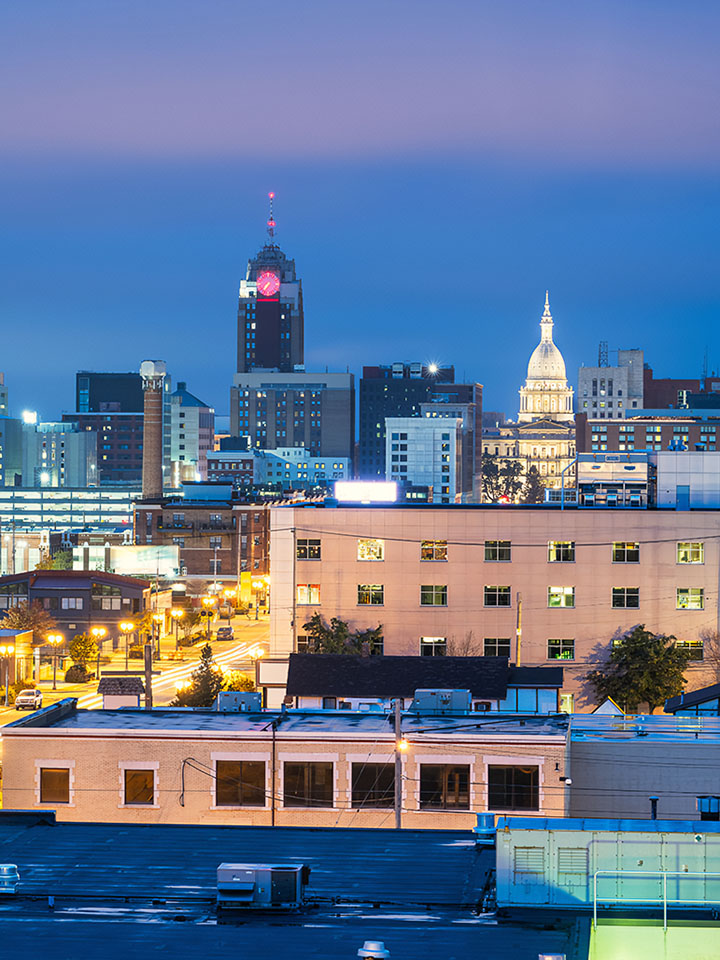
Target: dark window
[
  {"x": 561, "y": 649},
  {"x": 373, "y": 784},
  {"x": 54, "y": 785},
  {"x": 371, "y": 593},
  {"x": 497, "y": 596},
  {"x": 513, "y": 788},
  {"x": 500, "y": 550},
  {"x": 444, "y": 787},
  {"x": 433, "y": 596},
  {"x": 433, "y": 646},
  {"x": 240, "y": 783},
  {"x": 626, "y": 552},
  {"x": 496, "y": 647},
  {"x": 626, "y": 596},
  {"x": 308, "y": 549},
  {"x": 329, "y": 703},
  {"x": 308, "y": 785},
  {"x": 139, "y": 787}
]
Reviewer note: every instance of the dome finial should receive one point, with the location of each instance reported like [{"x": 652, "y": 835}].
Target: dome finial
[{"x": 546, "y": 311}]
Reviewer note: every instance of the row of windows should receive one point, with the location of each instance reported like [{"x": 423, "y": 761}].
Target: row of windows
[
  {"x": 241, "y": 783},
  {"x": 558, "y": 648},
  {"x": 500, "y": 551},
  {"x": 436, "y": 595}
]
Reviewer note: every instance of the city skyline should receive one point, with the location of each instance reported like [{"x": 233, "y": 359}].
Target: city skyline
[{"x": 556, "y": 149}]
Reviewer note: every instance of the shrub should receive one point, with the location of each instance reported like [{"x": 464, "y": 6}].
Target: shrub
[{"x": 15, "y": 689}]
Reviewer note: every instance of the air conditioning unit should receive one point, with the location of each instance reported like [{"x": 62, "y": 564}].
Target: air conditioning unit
[
  {"x": 261, "y": 886},
  {"x": 441, "y": 701},
  {"x": 237, "y": 701}
]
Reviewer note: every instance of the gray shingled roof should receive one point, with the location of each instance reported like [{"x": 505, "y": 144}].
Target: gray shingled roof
[{"x": 120, "y": 686}]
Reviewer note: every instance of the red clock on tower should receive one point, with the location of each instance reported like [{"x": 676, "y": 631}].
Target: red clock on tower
[{"x": 268, "y": 283}]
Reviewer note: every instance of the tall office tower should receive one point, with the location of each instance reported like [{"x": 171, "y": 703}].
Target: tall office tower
[
  {"x": 394, "y": 390},
  {"x": 153, "y": 376},
  {"x": 609, "y": 392},
  {"x": 270, "y": 311},
  {"x": 108, "y": 392},
  {"x": 192, "y": 428}
]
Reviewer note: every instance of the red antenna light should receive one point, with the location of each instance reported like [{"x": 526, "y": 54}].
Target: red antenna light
[{"x": 271, "y": 219}]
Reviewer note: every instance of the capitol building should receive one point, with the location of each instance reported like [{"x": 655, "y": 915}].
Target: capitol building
[{"x": 544, "y": 434}]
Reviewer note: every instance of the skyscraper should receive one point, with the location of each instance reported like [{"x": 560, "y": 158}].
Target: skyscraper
[{"x": 270, "y": 311}]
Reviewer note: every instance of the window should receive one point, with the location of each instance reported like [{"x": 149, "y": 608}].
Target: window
[
  {"x": 626, "y": 596},
  {"x": 496, "y": 647},
  {"x": 513, "y": 788},
  {"x": 371, "y": 549},
  {"x": 239, "y": 783},
  {"x": 691, "y": 553},
  {"x": 433, "y": 550},
  {"x": 693, "y": 647},
  {"x": 308, "y": 593},
  {"x": 561, "y": 551},
  {"x": 433, "y": 596},
  {"x": 433, "y": 646},
  {"x": 499, "y": 550},
  {"x": 371, "y": 593},
  {"x": 561, "y": 596},
  {"x": 373, "y": 785},
  {"x": 139, "y": 787},
  {"x": 215, "y": 542},
  {"x": 71, "y": 603},
  {"x": 690, "y": 598},
  {"x": 54, "y": 785},
  {"x": 625, "y": 551},
  {"x": 497, "y": 596},
  {"x": 308, "y": 784},
  {"x": 444, "y": 786},
  {"x": 563, "y": 649},
  {"x": 709, "y": 808},
  {"x": 309, "y": 549},
  {"x": 567, "y": 703}
]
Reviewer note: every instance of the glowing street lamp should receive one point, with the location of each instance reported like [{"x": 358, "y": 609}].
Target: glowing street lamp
[
  {"x": 177, "y": 614},
  {"x": 55, "y": 639},
  {"x": 126, "y": 627},
  {"x": 209, "y": 603},
  {"x": 99, "y": 633},
  {"x": 6, "y": 651}
]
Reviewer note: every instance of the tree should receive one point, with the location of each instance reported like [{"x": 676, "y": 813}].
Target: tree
[
  {"x": 60, "y": 560},
  {"x": 338, "y": 638},
  {"x": 644, "y": 667},
  {"x": 533, "y": 490},
  {"x": 206, "y": 683},
  {"x": 467, "y": 646},
  {"x": 501, "y": 479},
  {"x": 82, "y": 649},
  {"x": 30, "y": 617},
  {"x": 235, "y": 680}
]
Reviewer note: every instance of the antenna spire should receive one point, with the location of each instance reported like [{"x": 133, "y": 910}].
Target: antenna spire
[{"x": 271, "y": 219}]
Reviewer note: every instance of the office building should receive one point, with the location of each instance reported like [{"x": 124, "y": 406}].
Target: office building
[
  {"x": 426, "y": 452},
  {"x": 393, "y": 390},
  {"x": 108, "y": 392},
  {"x": 192, "y": 435},
  {"x": 650, "y": 430},
  {"x": 270, "y": 312},
  {"x": 58, "y": 455},
  {"x": 612, "y": 392},
  {"x": 311, "y": 410},
  {"x": 538, "y": 584},
  {"x": 285, "y": 468}
]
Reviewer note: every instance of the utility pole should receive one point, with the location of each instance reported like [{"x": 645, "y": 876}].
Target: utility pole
[
  {"x": 148, "y": 651},
  {"x": 518, "y": 631},
  {"x": 398, "y": 764}
]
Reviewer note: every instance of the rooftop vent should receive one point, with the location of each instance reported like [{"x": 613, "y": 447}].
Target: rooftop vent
[
  {"x": 439, "y": 702},
  {"x": 261, "y": 886}
]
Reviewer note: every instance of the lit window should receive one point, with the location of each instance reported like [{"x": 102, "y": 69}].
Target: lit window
[
  {"x": 561, "y": 551},
  {"x": 561, "y": 596},
  {"x": 563, "y": 649},
  {"x": 691, "y": 552},
  {"x": 371, "y": 549},
  {"x": 690, "y": 598},
  {"x": 433, "y": 550},
  {"x": 625, "y": 551},
  {"x": 692, "y": 647},
  {"x": 371, "y": 593},
  {"x": 308, "y": 549},
  {"x": 308, "y": 593}
]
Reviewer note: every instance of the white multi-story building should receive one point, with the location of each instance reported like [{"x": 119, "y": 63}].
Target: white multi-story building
[
  {"x": 426, "y": 452},
  {"x": 607, "y": 393},
  {"x": 292, "y": 468},
  {"x": 192, "y": 434}
]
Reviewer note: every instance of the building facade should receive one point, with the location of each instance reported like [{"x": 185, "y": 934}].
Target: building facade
[
  {"x": 66, "y": 508},
  {"x": 536, "y": 584},
  {"x": 426, "y": 452},
  {"x": 285, "y": 468},
  {"x": 612, "y": 392},
  {"x": 192, "y": 435},
  {"x": 315, "y": 411}
]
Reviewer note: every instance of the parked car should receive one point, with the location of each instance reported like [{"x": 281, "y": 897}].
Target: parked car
[
  {"x": 28, "y": 699},
  {"x": 225, "y": 633}
]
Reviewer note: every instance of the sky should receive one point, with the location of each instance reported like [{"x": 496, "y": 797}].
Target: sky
[{"x": 437, "y": 167}]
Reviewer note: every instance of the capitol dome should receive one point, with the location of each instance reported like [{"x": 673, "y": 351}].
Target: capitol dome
[{"x": 546, "y": 393}]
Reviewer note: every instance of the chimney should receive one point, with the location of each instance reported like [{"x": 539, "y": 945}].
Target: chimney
[{"x": 153, "y": 374}]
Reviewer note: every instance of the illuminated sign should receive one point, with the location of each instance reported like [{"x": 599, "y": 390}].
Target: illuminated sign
[
  {"x": 366, "y": 491},
  {"x": 268, "y": 283}
]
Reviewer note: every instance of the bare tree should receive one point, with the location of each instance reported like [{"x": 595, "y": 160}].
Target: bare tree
[
  {"x": 711, "y": 652},
  {"x": 467, "y": 646}
]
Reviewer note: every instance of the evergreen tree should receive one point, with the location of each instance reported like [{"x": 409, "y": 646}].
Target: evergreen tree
[
  {"x": 644, "y": 667},
  {"x": 533, "y": 490},
  {"x": 82, "y": 649},
  {"x": 336, "y": 637},
  {"x": 207, "y": 682},
  {"x": 501, "y": 479}
]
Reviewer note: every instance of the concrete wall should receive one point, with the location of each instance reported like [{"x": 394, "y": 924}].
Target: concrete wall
[{"x": 592, "y": 622}]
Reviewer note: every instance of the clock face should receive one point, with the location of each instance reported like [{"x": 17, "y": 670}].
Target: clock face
[{"x": 268, "y": 283}]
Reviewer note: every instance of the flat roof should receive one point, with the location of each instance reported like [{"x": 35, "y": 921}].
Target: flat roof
[
  {"x": 121, "y": 889},
  {"x": 64, "y": 716},
  {"x": 661, "y": 728},
  {"x": 593, "y": 825}
]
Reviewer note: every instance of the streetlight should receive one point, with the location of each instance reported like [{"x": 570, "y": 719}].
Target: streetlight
[
  {"x": 257, "y": 585},
  {"x": 127, "y": 627},
  {"x": 55, "y": 639},
  {"x": 98, "y": 633},
  {"x": 209, "y": 603},
  {"x": 177, "y": 615},
  {"x": 6, "y": 651},
  {"x": 229, "y": 594},
  {"x": 159, "y": 619}
]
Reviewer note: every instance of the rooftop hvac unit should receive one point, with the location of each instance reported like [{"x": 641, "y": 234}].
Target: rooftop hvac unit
[
  {"x": 261, "y": 886},
  {"x": 236, "y": 701},
  {"x": 441, "y": 701}
]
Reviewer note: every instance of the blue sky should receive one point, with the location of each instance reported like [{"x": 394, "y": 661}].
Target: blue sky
[{"x": 436, "y": 166}]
